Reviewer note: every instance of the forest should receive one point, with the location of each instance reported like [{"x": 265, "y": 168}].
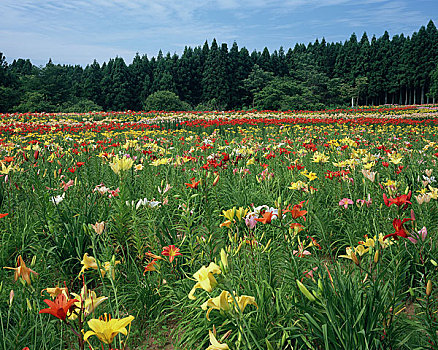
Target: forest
[{"x": 385, "y": 70}]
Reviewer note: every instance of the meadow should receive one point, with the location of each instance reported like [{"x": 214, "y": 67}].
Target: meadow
[{"x": 219, "y": 230}]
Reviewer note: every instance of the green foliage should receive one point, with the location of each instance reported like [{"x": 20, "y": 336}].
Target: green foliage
[{"x": 165, "y": 101}]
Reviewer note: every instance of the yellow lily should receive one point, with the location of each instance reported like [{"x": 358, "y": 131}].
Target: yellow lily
[
  {"x": 221, "y": 302},
  {"x": 214, "y": 343},
  {"x": 121, "y": 164},
  {"x": 89, "y": 300},
  {"x": 241, "y": 213},
  {"x": 229, "y": 214},
  {"x": 250, "y": 161},
  {"x": 54, "y": 292},
  {"x": 107, "y": 328},
  {"x": 245, "y": 300},
  {"x": 205, "y": 279},
  {"x": 88, "y": 262},
  {"x": 361, "y": 250},
  {"x": 348, "y": 253}
]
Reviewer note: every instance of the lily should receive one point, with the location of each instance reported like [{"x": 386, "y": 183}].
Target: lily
[
  {"x": 89, "y": 299},
  {"x": 59, "y": 307},
  {"x": 106, "y": 328},
  {"x": 21, "y": 270},
  {"x": 214, "y": 343},
  {"x": 205, "y": 279},
  {"x": 171, "y": 251}
]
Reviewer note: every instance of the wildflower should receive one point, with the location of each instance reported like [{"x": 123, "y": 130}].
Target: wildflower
[
  {"x": 241, "y": 212},
  {"x": 433, "y": 192},
  {"x": 221, "y": 302},
  {"x": 311, "y": 176},
  {"x": 370, "y": 175},
  {"x": 106, "y": 328},
  {"x": 214, "y": 343},
  {"x": 167, "y": 188},
  {"x": 266, "y": 217},
  {"x": 250, "y": 222},
  {"x": 399, "y": 229},
  {"x": 150, "y": 266},
  {"x": 121, "y": 164},
  {"x": 420, "y": 234},
  {"x": 3, "y": 215},
  {"x": 89, "y": 262},
  {"x": 320, "y": 157},
  {"x": 21, "y": 270},
  {"x": 348, "y": 253},
  {"x": 60, "y": 307},
  {"x": 205, "y": 279},
  {"x": 54, "y": 292},
  {"x": 296, "y": 228},
  {"x": 229, "y": 214},
  {"x": 88, "y": 300},
  {"x": 171, "y": 251},
  {"x": 345, "y": 202},
  {"x": 98, "y": 227},
  {"x": 67, "y": 185},
  {"x": 395, "y": 158},
  {"x": 57, "y": 199},
  {"x": 398, "y": 201},
  {"x": 193, "y": 184},
  {"x": 363, "y": 202},
  {"x": 226, "y": 224},
  {"x": 423, "y": 198},
  {"x": 296, "y": 212}
]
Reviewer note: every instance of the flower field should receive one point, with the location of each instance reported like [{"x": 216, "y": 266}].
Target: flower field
[{"x": 220, "y": 230}]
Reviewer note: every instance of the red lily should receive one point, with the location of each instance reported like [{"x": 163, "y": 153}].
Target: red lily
[
  {"x": 171, "y": 251},
  {"x": 59, "y": 307},
  {"x": 399, "y": 229},
  {"x": 398, "y": 201}
]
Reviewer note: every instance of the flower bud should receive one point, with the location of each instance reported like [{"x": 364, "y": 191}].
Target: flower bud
[
  {"x": 376, "y": 257},
  {"x": 11, "y": 297},
  {"x": 224, "y": 259},
  {"x": 429, "y": 288},
  {"x": 305, "y": 291},
  {"x": 355, "y": 259},
  {"x": 216, "y": 180}
]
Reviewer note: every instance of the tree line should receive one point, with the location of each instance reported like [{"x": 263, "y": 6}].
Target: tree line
[{"x": 398, "y": 70}]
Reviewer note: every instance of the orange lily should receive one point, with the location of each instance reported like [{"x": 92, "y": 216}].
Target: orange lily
[
  {"x": 266, "y": 218},
  {"x": 193, "y": 184},
  {"x": 59, "y": 307},
  {"x": 21, "y": 270}
]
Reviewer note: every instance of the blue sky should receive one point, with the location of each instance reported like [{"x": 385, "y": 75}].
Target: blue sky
[{"x": 78, "y": 31}]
